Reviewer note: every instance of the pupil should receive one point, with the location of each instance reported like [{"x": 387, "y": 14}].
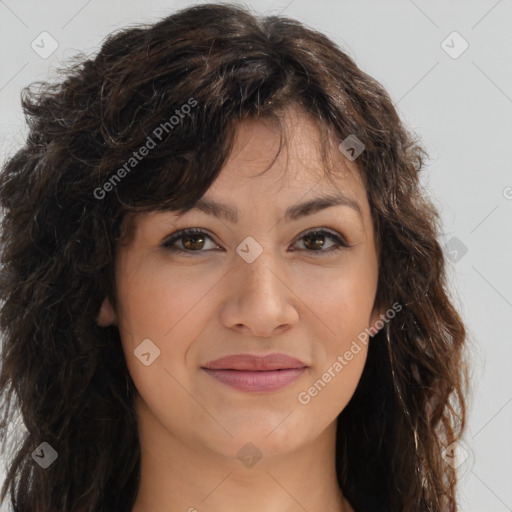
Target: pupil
[
  {"x": 189, "y": 237},
  {"x": 317, "y": 245}
]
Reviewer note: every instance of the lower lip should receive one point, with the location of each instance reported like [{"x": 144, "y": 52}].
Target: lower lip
[{"x": 258, "y": 381}]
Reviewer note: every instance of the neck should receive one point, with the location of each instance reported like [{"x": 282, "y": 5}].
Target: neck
[{"x": 178, "y": 475}]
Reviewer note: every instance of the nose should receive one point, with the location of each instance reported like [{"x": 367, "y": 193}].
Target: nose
[{"x": 260, "y": 302}]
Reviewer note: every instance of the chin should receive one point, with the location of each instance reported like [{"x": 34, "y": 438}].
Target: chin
[{"x": 269, "y": 433}]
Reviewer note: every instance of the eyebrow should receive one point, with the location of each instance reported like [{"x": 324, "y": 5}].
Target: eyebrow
[{"x": 230, "y": 213}]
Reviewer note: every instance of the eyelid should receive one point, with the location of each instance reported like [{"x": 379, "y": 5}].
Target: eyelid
[
  {"x": 176, "y": 235},
  {"x": 341, "y": 242}
]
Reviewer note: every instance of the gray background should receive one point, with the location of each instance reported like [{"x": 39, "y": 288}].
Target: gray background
[{"x": 461, "y": 107}]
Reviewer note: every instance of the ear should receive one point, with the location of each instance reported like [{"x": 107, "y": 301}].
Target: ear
[{"x": 107, "y": 315}]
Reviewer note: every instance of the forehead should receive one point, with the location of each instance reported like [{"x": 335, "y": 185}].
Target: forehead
[
  {"x": 290, "y": 156},
  {"x": 279, "y": 164}
]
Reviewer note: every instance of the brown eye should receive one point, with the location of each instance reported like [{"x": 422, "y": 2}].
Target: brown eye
[
  {"x": 314, "y": 241},
  {"x": 192, "y": 240}
]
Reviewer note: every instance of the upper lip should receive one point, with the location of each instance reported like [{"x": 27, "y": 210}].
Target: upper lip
[{"x": 269, "y": 362}]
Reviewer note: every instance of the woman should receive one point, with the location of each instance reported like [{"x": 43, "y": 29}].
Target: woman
[{"x": 222, "y": 285}]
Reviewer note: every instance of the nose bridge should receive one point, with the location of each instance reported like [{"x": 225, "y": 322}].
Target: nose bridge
[
  {"x": 259, "y": 301},
  {"x": 259, "y": 272},
  {"x": 259, "y": 289}
]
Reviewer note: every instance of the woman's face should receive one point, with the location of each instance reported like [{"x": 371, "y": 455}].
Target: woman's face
[{"x": 263, "y": 284}]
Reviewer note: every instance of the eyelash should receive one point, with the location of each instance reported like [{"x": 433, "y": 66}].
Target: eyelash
[{"x": 167, "y": 244}]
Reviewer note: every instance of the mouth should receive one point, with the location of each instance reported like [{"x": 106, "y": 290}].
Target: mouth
[{"x": 247, "y": 372}]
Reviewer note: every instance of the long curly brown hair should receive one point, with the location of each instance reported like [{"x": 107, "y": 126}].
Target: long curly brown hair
[{"x": 64, "y": 198}]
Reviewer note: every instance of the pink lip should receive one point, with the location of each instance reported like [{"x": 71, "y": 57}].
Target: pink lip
[
  {"x": 274, "y": 361},
  {"x": 247, "y": 372}
]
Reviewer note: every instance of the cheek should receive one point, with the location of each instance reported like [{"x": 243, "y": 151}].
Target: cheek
[
  {"x": 331, "y": 388},
  {"x": 160, "y": 304},
  {"x": 147, "y": 301},
  {"x": 342, "y": 299},
  {"x": 344, "y": 310},
  {"x": 343, "y": 306}
]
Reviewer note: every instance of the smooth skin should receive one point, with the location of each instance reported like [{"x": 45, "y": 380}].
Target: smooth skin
[{"x": 295, "y": 298}]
